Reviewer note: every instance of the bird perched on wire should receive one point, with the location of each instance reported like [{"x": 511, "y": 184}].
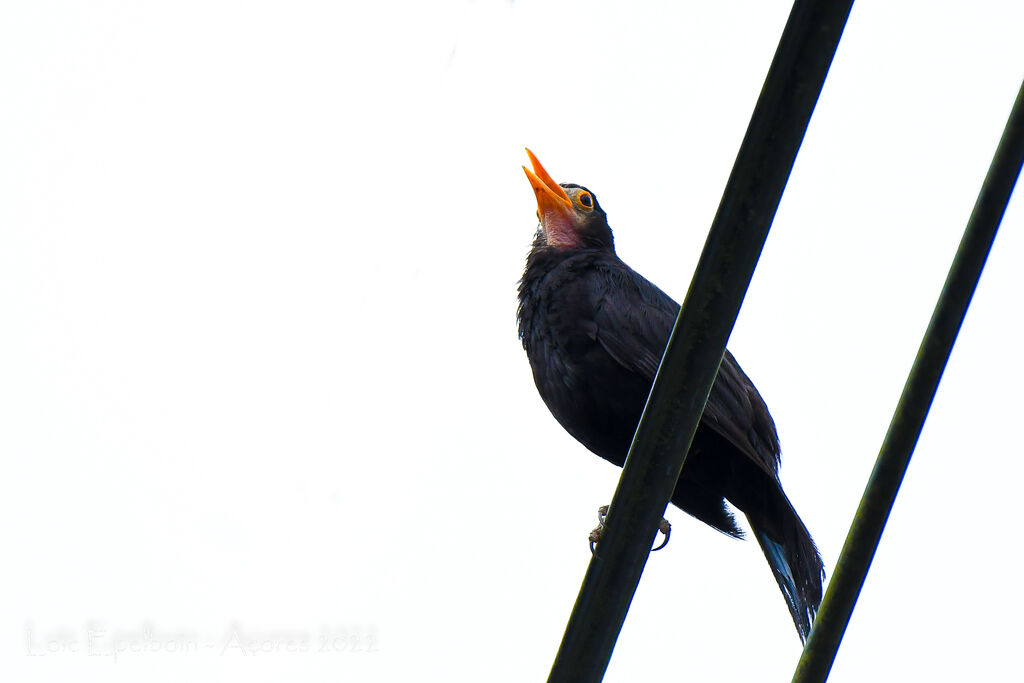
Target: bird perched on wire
[{"x": 594, "y": 331}]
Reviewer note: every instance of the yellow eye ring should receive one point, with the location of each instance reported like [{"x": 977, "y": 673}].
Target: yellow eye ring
[{"x": 585, "y": 200}]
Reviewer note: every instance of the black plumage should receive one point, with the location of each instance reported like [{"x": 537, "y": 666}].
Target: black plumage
[{"x": 594, "y": 331}]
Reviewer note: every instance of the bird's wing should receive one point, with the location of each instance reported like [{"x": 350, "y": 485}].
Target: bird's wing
[
  {"x": 736, "y": 411},
  {"x": 633, "y": 320}
]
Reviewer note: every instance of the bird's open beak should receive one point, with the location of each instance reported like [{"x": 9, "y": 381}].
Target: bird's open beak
[{"x": 553, "y": 205}]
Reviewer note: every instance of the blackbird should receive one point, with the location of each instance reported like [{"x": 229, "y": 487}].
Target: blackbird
[{"x": 594, "y": 331}]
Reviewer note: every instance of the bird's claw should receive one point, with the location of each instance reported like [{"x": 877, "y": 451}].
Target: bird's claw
[
  {"x": 665, "y": 528},
  {"x": 598, "y": 531},
  {"x": 602, "y": 512}
]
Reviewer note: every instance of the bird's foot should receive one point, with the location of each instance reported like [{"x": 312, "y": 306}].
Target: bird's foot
[
  {"x": 665, "y": 528},
  {"x": 602, "y": 512},
  {"x": 598, "y": 531}
]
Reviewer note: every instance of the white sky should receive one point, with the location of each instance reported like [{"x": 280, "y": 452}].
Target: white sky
[{"x": 259, "y": 375}]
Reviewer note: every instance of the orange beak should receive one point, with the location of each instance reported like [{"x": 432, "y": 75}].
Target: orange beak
[{"x": 553, "y": 205}]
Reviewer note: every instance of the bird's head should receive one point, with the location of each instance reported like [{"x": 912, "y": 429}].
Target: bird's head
[{"x": 570, "y": 216}]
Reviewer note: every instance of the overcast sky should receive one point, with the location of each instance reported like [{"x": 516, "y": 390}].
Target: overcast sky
[{"x": 260, "y": 386}]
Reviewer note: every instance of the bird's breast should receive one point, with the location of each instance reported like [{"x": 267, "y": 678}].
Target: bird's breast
[{"x": 593, "y": 397}]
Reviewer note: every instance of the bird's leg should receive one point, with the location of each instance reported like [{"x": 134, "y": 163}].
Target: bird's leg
[{"x": 602, "y": 512}]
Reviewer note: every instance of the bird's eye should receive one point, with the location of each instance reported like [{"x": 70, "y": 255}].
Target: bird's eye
[{"x": 586, "y": 201}]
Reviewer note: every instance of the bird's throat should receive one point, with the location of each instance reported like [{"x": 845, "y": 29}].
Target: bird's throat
[{"x": 559, "y": 229}]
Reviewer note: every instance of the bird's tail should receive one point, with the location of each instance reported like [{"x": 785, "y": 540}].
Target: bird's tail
[{"x": 794, "y": 559}]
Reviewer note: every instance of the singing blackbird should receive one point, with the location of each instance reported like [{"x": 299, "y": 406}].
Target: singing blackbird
[{"x": 594, "y": 331}]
